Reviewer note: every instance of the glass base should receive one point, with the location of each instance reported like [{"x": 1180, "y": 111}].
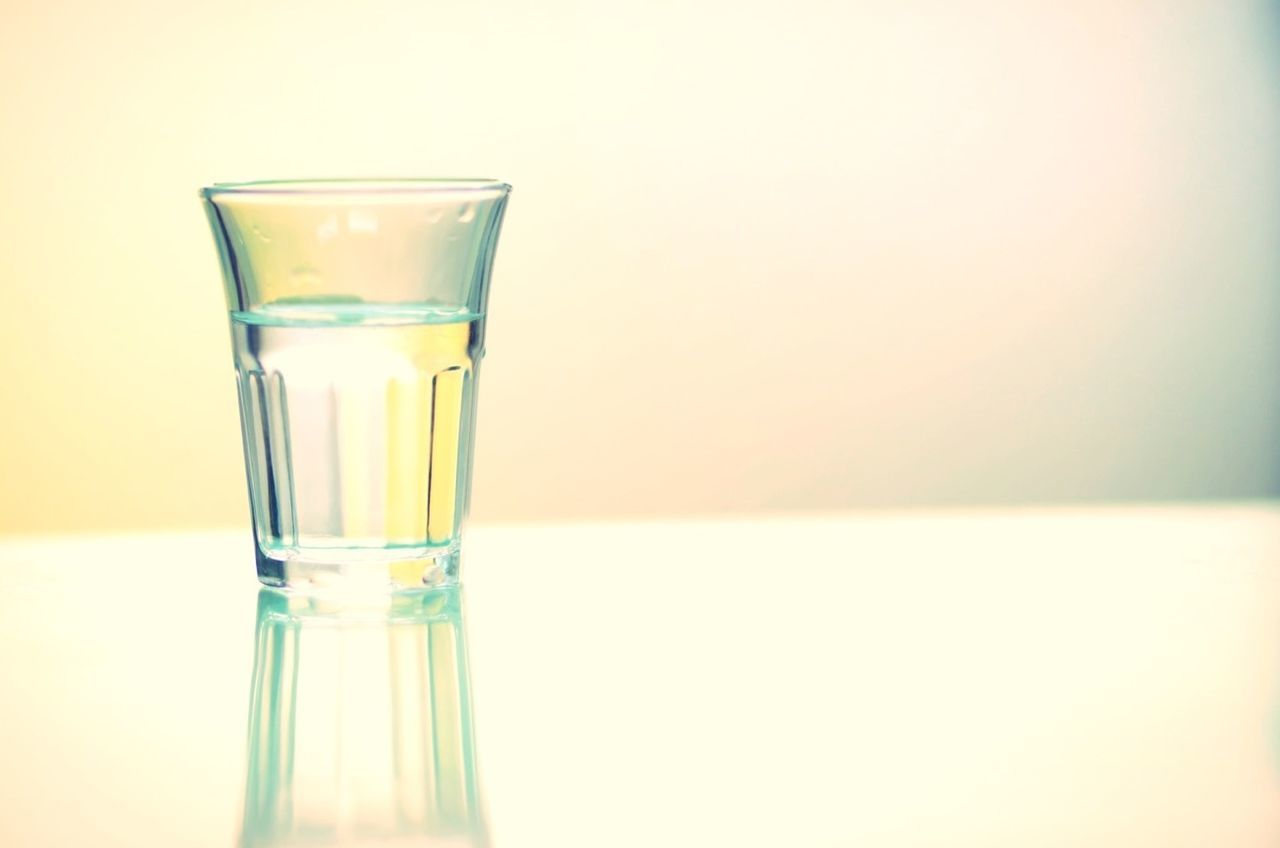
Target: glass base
[{"x": 363, "y": 570}]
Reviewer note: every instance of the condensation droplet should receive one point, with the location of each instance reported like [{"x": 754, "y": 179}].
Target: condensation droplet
[
  {"x": 361, "y": 222},
  {"x": 305, "y": 278},
  {"x": 258, "y": 231},
  {"x": 467, "y": 213},
  {"x": 328, "y": 229},
  {"x": 434, "y": 216}
]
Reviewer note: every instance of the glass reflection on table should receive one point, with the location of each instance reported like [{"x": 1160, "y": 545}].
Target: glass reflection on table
[{"x": 360, "y": 726}]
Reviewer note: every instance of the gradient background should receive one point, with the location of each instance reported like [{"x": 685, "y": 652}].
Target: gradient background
[{"x": 771, "y": 256}]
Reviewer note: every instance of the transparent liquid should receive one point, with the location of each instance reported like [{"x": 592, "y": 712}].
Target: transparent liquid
[{"x": 358, "y": 422}]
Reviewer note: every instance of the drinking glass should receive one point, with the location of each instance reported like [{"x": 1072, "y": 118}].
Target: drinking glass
[{"x": 357, "y": 312}]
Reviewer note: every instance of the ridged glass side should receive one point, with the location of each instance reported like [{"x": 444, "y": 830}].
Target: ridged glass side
[{"x": 358, "y": 431}]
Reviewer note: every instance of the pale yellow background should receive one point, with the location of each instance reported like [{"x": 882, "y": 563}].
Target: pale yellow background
[{"x": 759, "y": 256}]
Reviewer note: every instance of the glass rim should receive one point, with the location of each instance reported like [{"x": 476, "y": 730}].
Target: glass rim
[{"x": 358, "y": 185}]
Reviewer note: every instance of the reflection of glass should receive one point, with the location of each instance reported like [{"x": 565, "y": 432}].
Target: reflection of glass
[{"x": 360, "y": 724}]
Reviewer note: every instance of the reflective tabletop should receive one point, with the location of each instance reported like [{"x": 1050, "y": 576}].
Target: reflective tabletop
[{"x": 1091, "y": 676}]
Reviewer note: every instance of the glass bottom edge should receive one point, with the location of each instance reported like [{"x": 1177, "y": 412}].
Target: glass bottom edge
[{"x": 337, "y": 570}]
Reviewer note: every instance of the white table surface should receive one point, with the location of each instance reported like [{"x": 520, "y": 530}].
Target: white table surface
[{"x": 1068, "y": 677}]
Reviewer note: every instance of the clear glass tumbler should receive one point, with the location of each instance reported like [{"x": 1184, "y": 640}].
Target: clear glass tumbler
[{"x": 357, "y": 320}]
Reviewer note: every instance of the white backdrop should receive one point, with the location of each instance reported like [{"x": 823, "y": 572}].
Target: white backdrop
[{"x": 759, "y": 256}]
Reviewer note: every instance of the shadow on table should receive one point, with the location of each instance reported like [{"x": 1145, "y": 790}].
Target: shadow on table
[{"x": 360, "y": 726}]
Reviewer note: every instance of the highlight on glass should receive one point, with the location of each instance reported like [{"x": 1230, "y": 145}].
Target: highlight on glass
[{"x": 357, "y": 312}]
